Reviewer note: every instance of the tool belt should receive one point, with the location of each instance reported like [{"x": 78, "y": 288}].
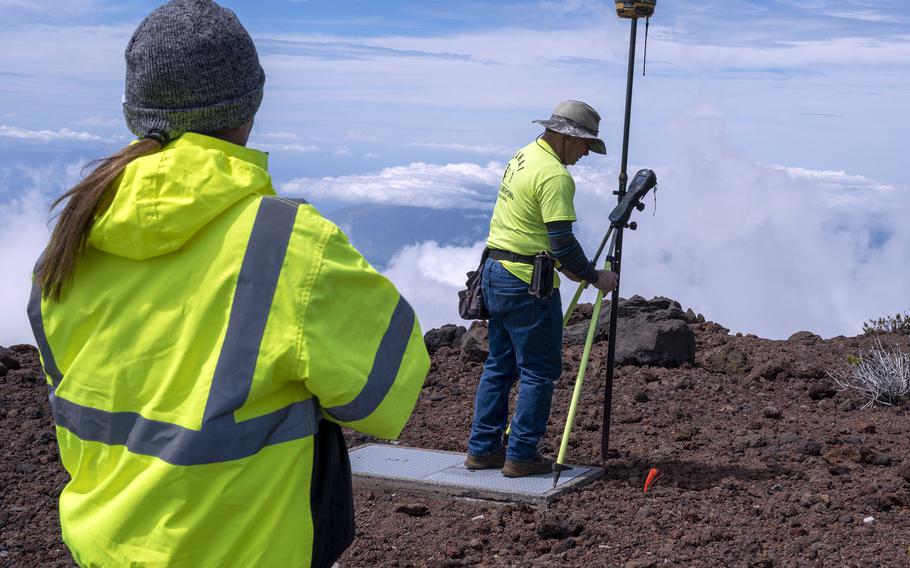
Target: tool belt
[
  {"x": 499, "y": 254},
  {"x": 541, "y": 276}
]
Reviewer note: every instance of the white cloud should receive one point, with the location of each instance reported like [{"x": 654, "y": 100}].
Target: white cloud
[
  {"x": 393, "y": 93},
  {"x": 423, "y": 185},
  {"x": 838, "y": 51},
  {"x": 439, "y": 82},
  {"x": 837, "y": 179},
  {"x": 790, "y": 246},
  {"x": 487, "y": 149},
  {"x": 342, "y": 151},
  {"x": 508, "y": 63},
  {"x": 429, "y": 277},
  {"x": 767, "y": 250},
  {"x": 49, "y": 135},
  {"x": 881, "y": 16},
  {"x": 295, "y": 147},
  {"x": 761, "y": 249},
  {"x": 23, "y": 233},
  {"x": 280, "y": 136},
  {"x": 25, "y": 195}
]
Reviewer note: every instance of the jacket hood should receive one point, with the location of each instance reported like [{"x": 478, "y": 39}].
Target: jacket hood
[{"x": 165, "y": 198}]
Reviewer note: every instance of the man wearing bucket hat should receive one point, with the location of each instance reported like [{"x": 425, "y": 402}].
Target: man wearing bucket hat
[
  {"x": 531, "y": 227},
  {"x": 577, "y": 120},
  {"x": 204, "y": 340}
]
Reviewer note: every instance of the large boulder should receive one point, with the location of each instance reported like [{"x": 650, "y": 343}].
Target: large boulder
[
  {"x": 449, "y": 335},
  {"x": 649, "y": 332},
  {"x": 474, "y": 343}
]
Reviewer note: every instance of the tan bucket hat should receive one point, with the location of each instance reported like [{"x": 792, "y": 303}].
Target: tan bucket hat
[{"x": 577, "y": 119}]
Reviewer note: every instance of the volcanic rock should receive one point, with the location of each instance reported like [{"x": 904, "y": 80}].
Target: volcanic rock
[
  {"x": 550, "y": 525},
  {"x": 8, "y": 361},
  {"x": 873, "y": 457},
  {"x": 474, "y": 343},
  {"x": 843, "y": 454},
  {"x": 553, "y": 526},
  {"x": 809, "y": 448},
  {"x": 649, "y": 332},
  {"x": 772, "y": 370},
  {"x": 772, "y": 412},
  {"x": 448, "y": 335},
  {"x": 806, "y": 336},
  {"x": 729, "y": 360},
  {"x": 692, "y": 317}
]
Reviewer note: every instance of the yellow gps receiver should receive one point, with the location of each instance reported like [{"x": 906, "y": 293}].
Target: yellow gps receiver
[{"x": 635, "y": 8}]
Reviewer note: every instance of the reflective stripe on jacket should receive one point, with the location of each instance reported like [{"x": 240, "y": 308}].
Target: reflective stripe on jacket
[{"x": 212, "y": 339}]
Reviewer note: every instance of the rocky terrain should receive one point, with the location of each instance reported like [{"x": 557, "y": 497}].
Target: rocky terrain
[{"x": 764, "y": 463}]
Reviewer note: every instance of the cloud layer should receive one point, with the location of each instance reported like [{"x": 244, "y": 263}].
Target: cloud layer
[
  {"x": 429, "y": 276},
  {"x": 25, "y": 194},
  {"x": 48, "y": 135},
  {"x": 800, "y": 227},
  {"x": 464, "y": 186},
  {"x": 23, "y": 234},
  {"x": 761, "y": 249},
  {"x": 434, "y": 83}
]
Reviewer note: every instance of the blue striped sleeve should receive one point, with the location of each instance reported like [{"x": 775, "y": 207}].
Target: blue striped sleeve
[{"x": 568, "y": 251}]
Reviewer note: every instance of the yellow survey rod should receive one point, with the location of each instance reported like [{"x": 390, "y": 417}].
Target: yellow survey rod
[
  {"x": 586, "y": 355},
  {"x": 581, "y": 288}
]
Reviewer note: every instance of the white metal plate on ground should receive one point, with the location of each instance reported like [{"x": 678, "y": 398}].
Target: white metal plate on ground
[{"x": 434, "y": 471}]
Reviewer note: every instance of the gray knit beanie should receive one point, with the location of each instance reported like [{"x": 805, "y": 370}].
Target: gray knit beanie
[{"x": 191, "y": 66}]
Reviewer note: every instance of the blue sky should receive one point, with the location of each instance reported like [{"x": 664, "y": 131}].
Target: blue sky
[{"x": 767, "y": 122}]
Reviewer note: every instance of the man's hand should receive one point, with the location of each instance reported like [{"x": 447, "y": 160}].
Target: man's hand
[{"x": 606, "y": 281}]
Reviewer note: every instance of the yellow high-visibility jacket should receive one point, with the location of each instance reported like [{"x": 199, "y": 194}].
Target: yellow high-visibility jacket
[{"x": 213, "y": 338}]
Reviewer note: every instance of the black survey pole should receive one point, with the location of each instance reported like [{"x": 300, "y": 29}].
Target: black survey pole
[{"x": 617, "y": 255}]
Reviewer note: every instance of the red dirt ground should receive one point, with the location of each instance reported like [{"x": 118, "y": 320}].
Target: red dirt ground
[{"x": 763, "y": 466}]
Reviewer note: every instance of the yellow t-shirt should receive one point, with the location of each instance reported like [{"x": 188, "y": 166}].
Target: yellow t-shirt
[{"x": 536, "y": 189}]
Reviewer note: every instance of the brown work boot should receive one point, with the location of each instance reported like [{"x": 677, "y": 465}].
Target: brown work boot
[
  {"x": 537, "y": 466},
  {"x": 489, "y": 461}
]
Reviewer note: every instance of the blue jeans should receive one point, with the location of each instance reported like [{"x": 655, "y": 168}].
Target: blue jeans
[{"x": 525, "y": 336}]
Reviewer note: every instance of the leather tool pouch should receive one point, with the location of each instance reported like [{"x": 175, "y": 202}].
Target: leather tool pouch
[
  {"x": 470, "y": 300},
  {"x": 542, "y": 275}
]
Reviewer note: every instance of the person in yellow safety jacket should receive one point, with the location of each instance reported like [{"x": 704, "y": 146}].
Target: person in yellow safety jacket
[{"x": 204, "y": 339}]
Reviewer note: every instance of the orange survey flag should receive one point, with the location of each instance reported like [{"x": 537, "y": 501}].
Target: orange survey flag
[{"x": 653, "y": 476}]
